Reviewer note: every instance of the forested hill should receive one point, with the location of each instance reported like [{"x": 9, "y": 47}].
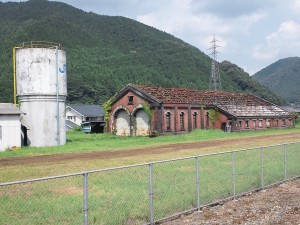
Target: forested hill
[
  {"x": 283, "y": 78},
  {"x": 104, "y": 53}
]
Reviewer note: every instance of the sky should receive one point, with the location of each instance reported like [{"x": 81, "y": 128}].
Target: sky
[{"x": 251, "y": 33}]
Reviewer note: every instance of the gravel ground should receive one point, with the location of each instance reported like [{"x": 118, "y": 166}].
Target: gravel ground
[{"x": 276, "y": 205}]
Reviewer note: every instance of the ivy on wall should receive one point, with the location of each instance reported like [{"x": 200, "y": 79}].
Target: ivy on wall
[
  {"x": 214, "y": 116},
  {"x": 107, "y": 109}
]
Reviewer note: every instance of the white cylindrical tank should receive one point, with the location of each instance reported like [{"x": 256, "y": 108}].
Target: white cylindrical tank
[{"x": 42, "y": 90}]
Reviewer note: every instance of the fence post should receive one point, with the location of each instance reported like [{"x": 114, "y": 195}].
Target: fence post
[
  {"x": 151, "y": 193},
  {"x": 197, "y": 183},
  {"x": 85, "y": 199},
  {"x": 284, "y": 153},
  {"x": 233, "y": 174},
  {"x": 262, "y": 166}
]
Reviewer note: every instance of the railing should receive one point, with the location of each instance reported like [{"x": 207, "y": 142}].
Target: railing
[
  {"x": 147, "y": 193},
  {"x": 40, "y": 44}
]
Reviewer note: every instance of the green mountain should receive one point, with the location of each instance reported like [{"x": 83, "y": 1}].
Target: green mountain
[
  {"x": 283, "y": 78},
  {"x": 104, "y": 53}
]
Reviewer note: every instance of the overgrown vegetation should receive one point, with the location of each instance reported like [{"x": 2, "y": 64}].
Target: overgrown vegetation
[
  {"x": 105, "y": 53},
  {"x": 214, "y": 117}
]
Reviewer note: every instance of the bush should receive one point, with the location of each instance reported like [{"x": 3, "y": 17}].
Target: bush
[{"x": 153, "y": 133}]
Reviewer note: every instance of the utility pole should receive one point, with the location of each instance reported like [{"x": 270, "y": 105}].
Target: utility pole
[{"x": 215, "y": 80}]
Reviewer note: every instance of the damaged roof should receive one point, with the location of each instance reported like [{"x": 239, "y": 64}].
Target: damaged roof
[
  {"x": 254, "y": 111},
  {"x": 194, "y": 96},
  {"x": 236, "y": 104}
]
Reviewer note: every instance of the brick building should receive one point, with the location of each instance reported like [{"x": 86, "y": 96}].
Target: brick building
[{"x": 136, "y": 110}]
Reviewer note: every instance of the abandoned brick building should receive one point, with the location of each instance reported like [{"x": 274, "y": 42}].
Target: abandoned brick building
[{"x": 136, "y": 109}]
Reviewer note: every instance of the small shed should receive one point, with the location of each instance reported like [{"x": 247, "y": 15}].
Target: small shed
[{"x": 10, "y": 126}]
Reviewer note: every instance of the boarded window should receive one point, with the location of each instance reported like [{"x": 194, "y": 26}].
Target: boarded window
[
  {"x": 283, "y": 123},
  {"x": 260, "y": 123}
]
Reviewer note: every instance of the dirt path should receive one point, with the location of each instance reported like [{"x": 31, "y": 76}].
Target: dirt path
[{"x": 238, "y": 143}]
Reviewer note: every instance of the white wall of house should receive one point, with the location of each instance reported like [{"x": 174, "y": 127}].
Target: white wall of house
[
  {"x": 10, "y": 131},
  {"x": 74, "y": 116}
]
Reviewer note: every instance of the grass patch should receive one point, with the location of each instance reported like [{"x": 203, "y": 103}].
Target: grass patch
[
  {"x": 122, "y": 196},
  {"x": 78, "y": 141}
]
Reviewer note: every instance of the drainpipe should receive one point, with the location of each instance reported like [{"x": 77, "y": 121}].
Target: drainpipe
[
  {"x": 57, "y": 100},
  {"x": 14, "y": 75}
]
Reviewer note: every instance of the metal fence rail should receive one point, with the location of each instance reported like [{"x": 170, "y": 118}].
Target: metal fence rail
[{"x": 147, "y": 193}]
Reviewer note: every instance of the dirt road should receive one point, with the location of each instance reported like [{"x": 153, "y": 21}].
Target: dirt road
[{"x": 238, "y": 143}]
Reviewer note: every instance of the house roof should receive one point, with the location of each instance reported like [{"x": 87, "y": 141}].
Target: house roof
[
  {"x": 9, "y": 109},
  {"x": 88, "y": 110},
  {"x": 234, "y": 103}
]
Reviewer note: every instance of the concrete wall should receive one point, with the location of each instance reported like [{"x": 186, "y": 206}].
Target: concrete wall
[
  {"x": 37, "y": 71},
  {"x": 10, "y": 131},
  {"x": 41, "y": 122}
]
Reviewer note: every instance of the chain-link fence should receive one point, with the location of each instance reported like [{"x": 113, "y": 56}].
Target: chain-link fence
[{"x": 147, "y": 193}]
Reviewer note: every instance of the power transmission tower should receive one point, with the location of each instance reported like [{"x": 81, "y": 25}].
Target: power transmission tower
[{"x": 215, "y": 80}]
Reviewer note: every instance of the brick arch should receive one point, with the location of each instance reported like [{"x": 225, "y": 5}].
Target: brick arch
[
  {"x": 121, "y": 121},
  {"x": 142, "y": 122}
]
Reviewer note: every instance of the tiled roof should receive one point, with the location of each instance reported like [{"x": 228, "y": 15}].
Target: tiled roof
[
  {"x": 236, "y": 104},
  {"x": 9, "y": 109},
  {"x": 88, "y": 110},
  {"x": 253, "y": 111},
  {"x": 193, "y": 96}
]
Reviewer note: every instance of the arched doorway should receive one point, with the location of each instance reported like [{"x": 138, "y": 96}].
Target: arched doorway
[
  {"x": 142, "y": 123},
  {"x": 122, "y": 123}
]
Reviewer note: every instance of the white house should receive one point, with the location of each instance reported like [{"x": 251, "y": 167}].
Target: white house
[
  {"x": 10, "y": 126},
  {"x": 76, "y": 114}
]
